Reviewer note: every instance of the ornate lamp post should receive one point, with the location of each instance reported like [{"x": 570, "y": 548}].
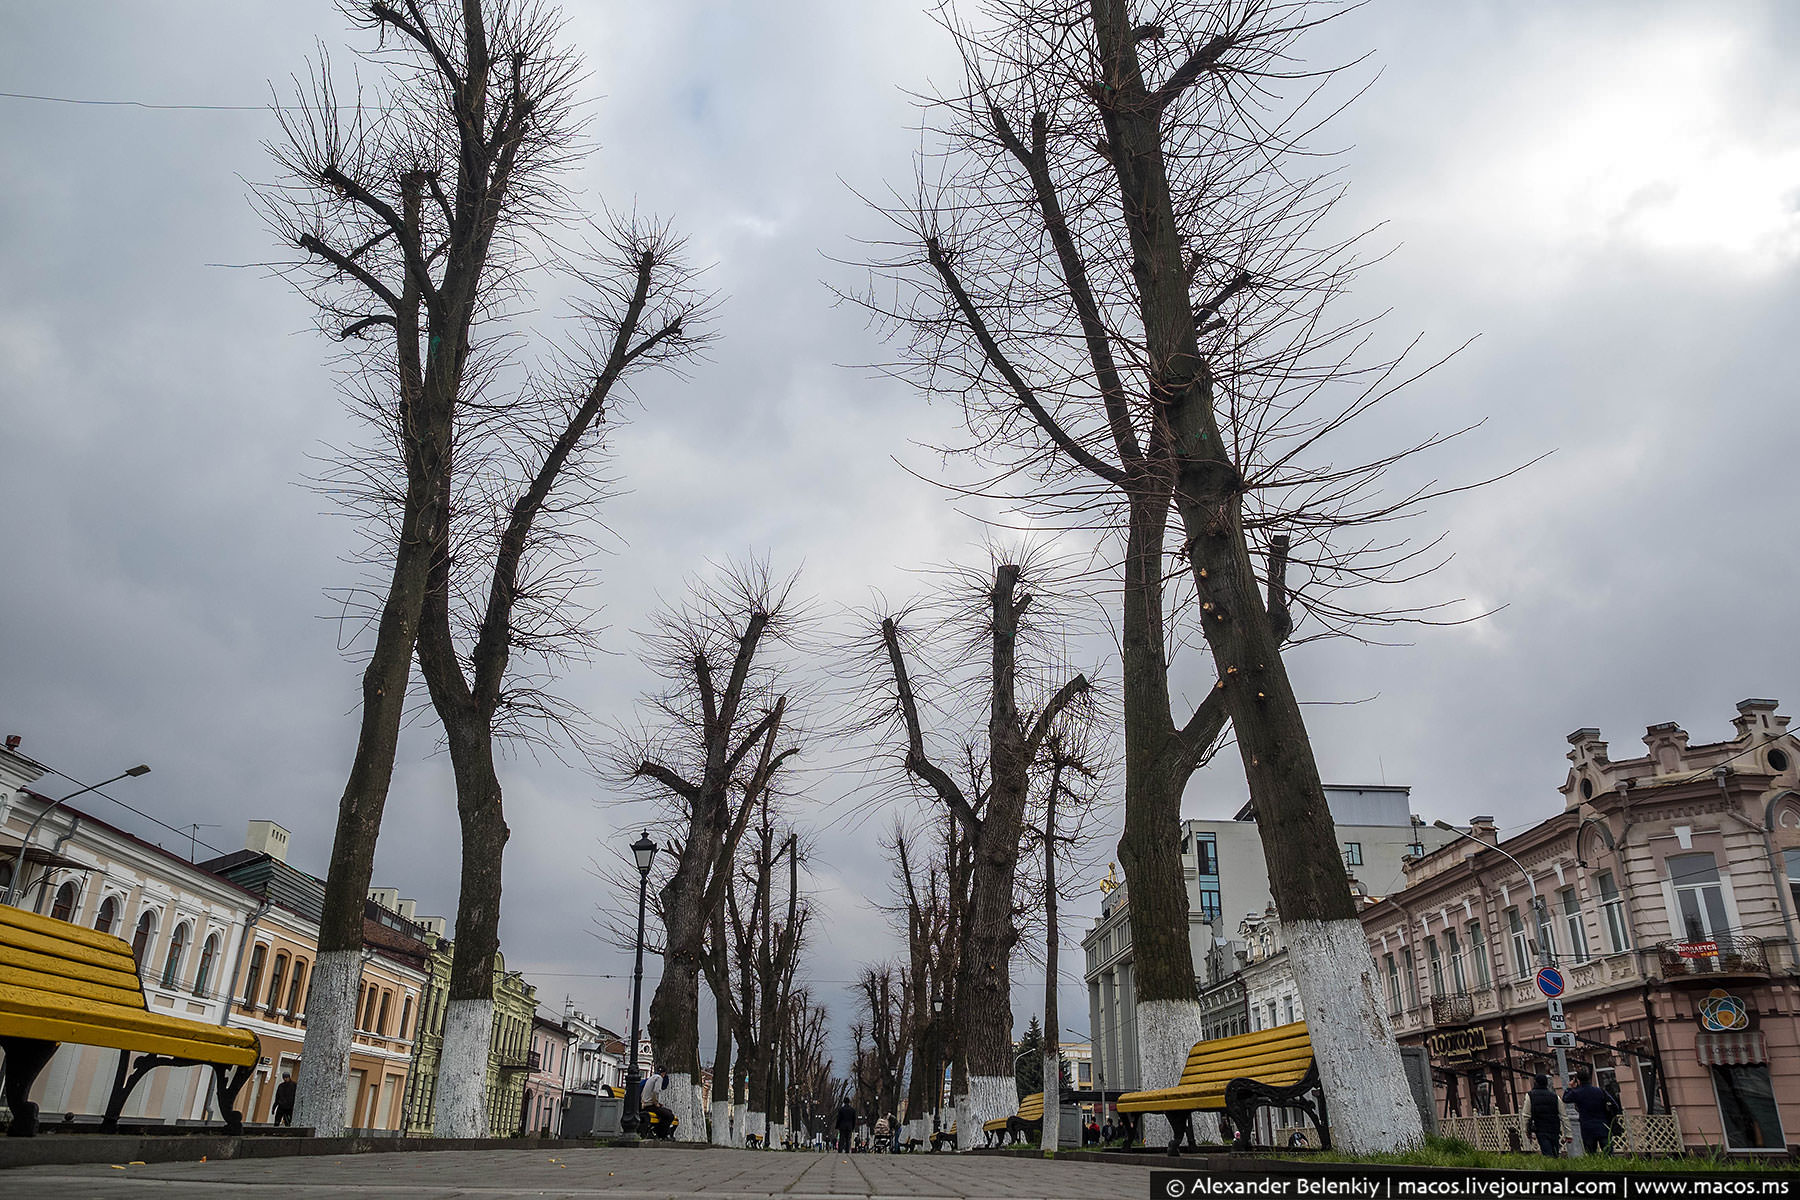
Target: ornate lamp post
[{"x": 644, "y": 851}]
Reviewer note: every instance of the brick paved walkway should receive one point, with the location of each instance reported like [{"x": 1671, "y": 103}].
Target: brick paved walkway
[{"x": 620, "y": 1174}]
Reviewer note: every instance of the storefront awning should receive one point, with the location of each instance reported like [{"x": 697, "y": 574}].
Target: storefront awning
[{"x": 1731, "y": 1049}]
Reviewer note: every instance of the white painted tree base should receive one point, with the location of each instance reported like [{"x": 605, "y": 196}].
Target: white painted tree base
[
  {"x": 721, "y": 1123},
  {"x": 461, "y": 1107},
  {"x": 1052, "y": 1104},
  {"x": 319, "y": 1090},
  {"x": 755, "y": 1125},
  {"x": 1167, "y": 1031},
  {"x": 1369, "y": 1106},
  {"x": 989, "y": 1098},
  {"x": 681, "y": 1097},
  {"x": 777, "y": 1132}
]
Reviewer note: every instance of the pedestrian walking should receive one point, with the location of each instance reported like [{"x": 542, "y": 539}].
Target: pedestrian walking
[
  {"x": 1544, "y": 1116},
  {"x": 846, "y": 1124},
  {"x": 282, "y": 1110},
  {"x": 1595, "y": 1110}
]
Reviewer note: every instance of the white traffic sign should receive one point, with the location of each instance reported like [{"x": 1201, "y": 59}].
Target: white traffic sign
[
  {"x": 1560, "y": 1040},
  {"x": 1556, "y": 1008}
]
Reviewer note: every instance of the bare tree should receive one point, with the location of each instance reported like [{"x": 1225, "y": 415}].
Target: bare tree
[
  {"x": 413, "y": 213},
  {"x": 884, "y": 1000},
  {"x": 724, "y": 699},
  {"x": 1014, "y": 739},
  {"x": 1118, "y": 260}
]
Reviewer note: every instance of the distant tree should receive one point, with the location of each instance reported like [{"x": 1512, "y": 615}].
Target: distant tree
[{"x": 1028, "y": 1053}]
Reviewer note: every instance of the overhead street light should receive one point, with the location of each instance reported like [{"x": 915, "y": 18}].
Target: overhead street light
[{"x": 12, "y": 889}]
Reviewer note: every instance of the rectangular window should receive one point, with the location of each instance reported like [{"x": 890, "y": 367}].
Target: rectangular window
[
  {"x": 1411, "y": 975},
  {"x": 1435, "y": 964},
  {"x": 1393, "y": 978},
  {"x": 1699, "y": 900},
  {"x": 1612, "y": 908},
  {"x": 1458, "y": 980},
  {"x": 1793, "y": 875},
  {"x": 1521, "y": 944},
  {"x": 1353, "y": 854},
  {"x": 1290, "y": 1010},
  {"x": 1747, "y": 1107},
  {"x": 1209, "y": 902},
  {"x": 1206, "y": 856},
  {"x": 1546, "y": 932},
  {"x": 1573, "y": 925},
  {"x": 1479, "y": 953}
]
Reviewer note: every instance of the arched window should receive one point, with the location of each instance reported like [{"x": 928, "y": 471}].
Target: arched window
[
  {"x": 208, "y": 953},
  {"x": 140, "y": 941},
  {"x": 108, "y": 915},
  {"x": 253, "y": 981},
  {"x": 368, "y": 1017},
  {"x": 381, "y": 1024},
  {"x": 177, "y": 947},
  {"x": 297, "y": 990},
  {"x": 405, "y": 1016},
  {"x": 277, "y": 977},
  {"x": 63, "y": 908}
]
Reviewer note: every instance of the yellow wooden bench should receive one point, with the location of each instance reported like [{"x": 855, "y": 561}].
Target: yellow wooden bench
[
  {"x": 944, "y": 1137},
  {"x": 1017, "y": 1126},
  {"x": 1236, "y": 1076},
  {"x": 63, "y": 983}
]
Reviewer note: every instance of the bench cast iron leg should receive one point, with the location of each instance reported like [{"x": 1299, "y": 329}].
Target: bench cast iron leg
[
  {"x": 1180, "y": 1124},
  {"x": 145, "y": 1064},
  {"x": 25, "y": 1057},
  {"x": 226, "y": 1086}
]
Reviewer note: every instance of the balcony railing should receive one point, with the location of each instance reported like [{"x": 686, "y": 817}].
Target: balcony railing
[
  {"x": 1452, "y": 1008},
  {"x": 1727, "y": 954},
  {"x": 519, "y": 1062}
]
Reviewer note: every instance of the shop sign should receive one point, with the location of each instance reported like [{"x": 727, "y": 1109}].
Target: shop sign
[
  {"x": 1457, "y": 1043},
  {"x": 1697, "y": 949},
  {"x": 1721, "y": 1012}
]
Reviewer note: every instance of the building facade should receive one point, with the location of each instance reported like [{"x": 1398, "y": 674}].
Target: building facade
[
  {"x": 545, "y": 1084},
  {"x": 1665, "y": 895},
  {"x": 509, "y": 1050},
  {"x": 272, "y": 982}
]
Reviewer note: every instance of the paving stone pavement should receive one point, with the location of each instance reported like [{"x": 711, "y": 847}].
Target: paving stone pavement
[{"x": 618, "y": 1174}]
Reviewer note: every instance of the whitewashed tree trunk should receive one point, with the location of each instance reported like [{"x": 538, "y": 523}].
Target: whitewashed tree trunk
[
  {"x": 1167, "y": 1031},
  {"x": 319, "y": 1092},
  {"x": 755, "y": 1125},
  {"x": 989, "y": 1098},
  {"x": 738, "y": 1114},
  {"x": 682, "y": 1097},
  {"x": 461, "y": 1107},
  {"x": 1369, "y": 1106},
  {"x": 721, "y": 1123},
  {"x": 1052, "y": 1104},
  {"x": 777, "y": 1131}
]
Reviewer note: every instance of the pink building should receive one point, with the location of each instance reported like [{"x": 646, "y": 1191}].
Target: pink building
[
  {"x": 1665, "y": 893},
  {"x": 548, "y": 1081}
]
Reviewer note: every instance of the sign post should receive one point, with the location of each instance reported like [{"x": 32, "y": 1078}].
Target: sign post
[{"x": 1551, "y": 983}]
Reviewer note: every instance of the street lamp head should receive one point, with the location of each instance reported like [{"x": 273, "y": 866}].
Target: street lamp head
[
  {"x": 140, "y": 769},
  {"x": 644, "y": 850},
  {"x": 1446, "y": 825}
]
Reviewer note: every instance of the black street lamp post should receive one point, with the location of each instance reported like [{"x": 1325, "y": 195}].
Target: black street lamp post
[
  {"x": 644, "y": 851},
  {"x": 18, "y": 876}
]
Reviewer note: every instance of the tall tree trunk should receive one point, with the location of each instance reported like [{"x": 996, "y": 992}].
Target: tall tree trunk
[
  {"x": 1052, "y": 1052},
  {"x": 1359, "y": 1061}
]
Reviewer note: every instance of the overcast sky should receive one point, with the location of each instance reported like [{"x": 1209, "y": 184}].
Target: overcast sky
[{"x": 1606, "y": 194}]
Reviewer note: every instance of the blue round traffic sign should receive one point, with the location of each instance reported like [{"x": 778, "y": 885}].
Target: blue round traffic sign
[{"x": 1550, "y": 982}]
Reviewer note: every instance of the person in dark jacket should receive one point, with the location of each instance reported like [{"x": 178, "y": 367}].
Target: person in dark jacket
[
  {"x": 1544, "y": 1116},
  {"x": 1595, "y": 1109},
  {"x": 846, "y": 1124},
  {"x": 282, "y": 1111}
]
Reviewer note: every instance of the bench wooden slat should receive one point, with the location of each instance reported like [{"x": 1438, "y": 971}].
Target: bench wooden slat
[
  {"x": 22, "y": 977},
  {"x": 68, "y": 1029},
  {"x": 18, "y": 1003},
  {"x": 62, "y": 931},
  {"x": 69, "y": 951},
  {"x": 68, "y": 968}
]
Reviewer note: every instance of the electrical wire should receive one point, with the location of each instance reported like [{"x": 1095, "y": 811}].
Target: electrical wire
[{"x": 176, "y": 107}]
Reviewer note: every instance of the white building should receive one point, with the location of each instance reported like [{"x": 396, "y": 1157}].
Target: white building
[
  {"x": 1228, "y": 881},
  {"x": 184, "y": 924}
]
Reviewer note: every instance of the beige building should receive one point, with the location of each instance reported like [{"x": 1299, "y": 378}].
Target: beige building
[
  {"x": 274, "y": 982},
  {"x": 1665, "y": 895}
]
